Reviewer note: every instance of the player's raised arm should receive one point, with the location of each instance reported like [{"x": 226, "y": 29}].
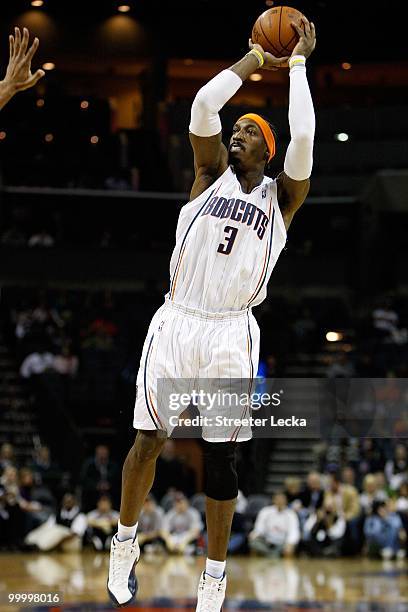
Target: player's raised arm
[
  {"x": 210, "y": 154},
  {"x": 18, "y": 75},
  {"x": 293, "y": 182}
]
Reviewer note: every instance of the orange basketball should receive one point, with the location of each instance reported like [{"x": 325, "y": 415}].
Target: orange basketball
[{"x": 272, "y": 30}]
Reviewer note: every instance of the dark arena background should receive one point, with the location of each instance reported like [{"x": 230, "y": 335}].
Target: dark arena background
[{"x": 95, "y": 164}]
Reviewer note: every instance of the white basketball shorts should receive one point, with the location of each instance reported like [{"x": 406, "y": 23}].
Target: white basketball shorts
[{"x": 186, "y": 346}]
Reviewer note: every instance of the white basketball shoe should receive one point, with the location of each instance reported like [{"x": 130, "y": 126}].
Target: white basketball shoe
[
  {"x": 211, "y": 593},
  {"x": 122, "y": 582}
]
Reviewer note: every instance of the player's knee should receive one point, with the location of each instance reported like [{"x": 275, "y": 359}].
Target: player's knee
[
  {"x": 147, "y": 445},
  {"x": 221, "y": 480}
]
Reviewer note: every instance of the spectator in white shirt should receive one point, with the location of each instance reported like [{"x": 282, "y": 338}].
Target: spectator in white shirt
[
  {"x": 402, "y": 500},
  {"x": 37, "y": 363},
  {"x": 41, "y": 239},
  {"x": 182, "y": 525},
  {"x": 276, "y": 531}
]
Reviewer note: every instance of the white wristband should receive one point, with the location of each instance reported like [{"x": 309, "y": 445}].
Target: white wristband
[{"x": 297, "y": 62}]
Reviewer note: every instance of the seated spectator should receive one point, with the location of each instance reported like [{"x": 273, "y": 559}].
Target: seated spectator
[
  {"x": 6, "y": 456},
  {"x": 182, "y": 526},
  {"x": 313, "y": 493},
  {"x": 382, "y": 485},
  {"x": 99, "y": 475},
  {"x": 37, "y": 501},
  {"x": 64, "y": 530},
  {"x": 384, "y": 532},
  {"x": 324, "y": 531},
  {"x": 276, "y": 530},
  {"x": 66, "y": 363},
  {"x": 22, "y": 505},
  {"x": 402, "y": 500},
  {"x": 46, "y": 472},
  {"x": 102, "y": 523},
  {"x": 396, "y": 470},
  {"x": 348, "y": 476},
  {"x": 11, "y": 513},
  {"x": 167, "y": 501},
  {"x": 41, "y": 239},
  {"x": 344, "y": 498},
  {"x": 345, "y": 501},
  {"x": 371, "y": 493},
  {"x": 37, "y": 363},
  {"x": 401, "y": 505},
  {"x": 293, "y": 492},
  {"x": 150, "y": 524},
  {"x": 371, "y": 459}
]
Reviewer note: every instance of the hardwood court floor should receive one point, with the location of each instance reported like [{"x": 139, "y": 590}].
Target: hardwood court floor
[{"x": 253, "y": 583}]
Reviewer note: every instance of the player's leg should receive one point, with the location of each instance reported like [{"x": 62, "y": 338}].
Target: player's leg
[
  {"x": 221, "y": 489},
  {"x": 137, "y": 480},
  {"x": 138, "y": 470},
  {"x": 233, "y": 359},
  {"x": 138, "y": 476},
  {"x": 219, "y": 515}
]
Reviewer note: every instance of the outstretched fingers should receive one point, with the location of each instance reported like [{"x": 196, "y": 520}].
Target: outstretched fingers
[
  {"x": 17, "y": 41},
  {"x": 32, "y": 50},
  {"x": 23, "y": 45},
  {"x": 11, "y": 46}
]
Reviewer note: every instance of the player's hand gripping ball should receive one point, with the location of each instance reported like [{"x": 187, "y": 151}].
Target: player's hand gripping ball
[{"x": 283, "y": 31}]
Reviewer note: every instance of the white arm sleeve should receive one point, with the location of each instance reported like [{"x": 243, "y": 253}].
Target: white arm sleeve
[
  {"x": 205, "y": 120},
  {"x": 299, "y": 156}
]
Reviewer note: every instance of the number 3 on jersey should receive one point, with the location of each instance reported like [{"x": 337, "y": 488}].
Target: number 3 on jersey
[{"x": 230, "y": 235}]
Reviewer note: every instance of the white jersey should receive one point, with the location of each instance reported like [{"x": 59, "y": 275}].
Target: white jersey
[{"x": 227, "y": 244}]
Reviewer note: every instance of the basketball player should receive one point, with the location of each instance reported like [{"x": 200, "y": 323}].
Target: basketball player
[
  {"x": 228, "y": 239},
  {"x": 18, "y": 75}
]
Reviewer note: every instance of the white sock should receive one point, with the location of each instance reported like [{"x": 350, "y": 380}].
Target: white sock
[
  {"x": 215, "y": 569},
  {"x": 126, "y": 533}
]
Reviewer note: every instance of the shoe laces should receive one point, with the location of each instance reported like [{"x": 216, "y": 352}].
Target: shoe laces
[
  {"x": 210, "y": 591},
  {"x": 121, "y": 555}
]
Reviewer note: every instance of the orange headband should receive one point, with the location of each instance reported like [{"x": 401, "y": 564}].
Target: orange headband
[{"x": 266, "y": 131}]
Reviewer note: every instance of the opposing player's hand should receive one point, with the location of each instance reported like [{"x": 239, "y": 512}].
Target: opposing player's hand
[
  {"x": 271, "y": 62},
  {"x": 307, "y": 37},
  {"x": 18, "y": 75}
]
